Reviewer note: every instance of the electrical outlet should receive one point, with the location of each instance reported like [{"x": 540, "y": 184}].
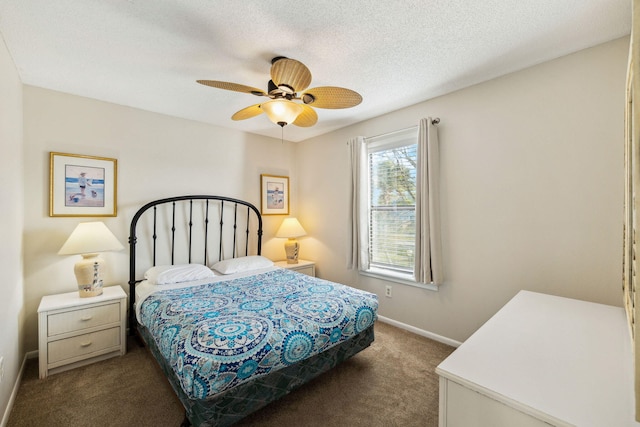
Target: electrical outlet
[
  {"x": 1, "y": 369},
  {"x": 387, "y": 291}
]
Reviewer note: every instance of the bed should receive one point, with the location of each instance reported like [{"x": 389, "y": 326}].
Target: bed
[{"x": 231, "y": 331}]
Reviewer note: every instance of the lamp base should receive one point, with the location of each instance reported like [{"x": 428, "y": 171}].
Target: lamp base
[
  {"x": 291, "y": 248},
  {"x": 89, "y": 275}
]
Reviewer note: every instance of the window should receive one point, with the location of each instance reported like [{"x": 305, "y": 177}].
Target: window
[
  {"x": 393, "y": 227},
  {"x": 392, "y": 161}
]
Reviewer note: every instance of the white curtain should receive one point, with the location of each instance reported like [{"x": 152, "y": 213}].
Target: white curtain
[
  {"x": 428, "y": 256},
  {"x": 358, "y": 225}
]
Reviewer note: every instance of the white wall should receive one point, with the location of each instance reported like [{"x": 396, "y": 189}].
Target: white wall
[
  {"x": 158, "y": 156},
  {"x": 11, "y": 285},
  {"x": 532, "y": 192}
]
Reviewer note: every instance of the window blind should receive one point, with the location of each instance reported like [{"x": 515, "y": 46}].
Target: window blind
[{"x": 392, "y": 201}]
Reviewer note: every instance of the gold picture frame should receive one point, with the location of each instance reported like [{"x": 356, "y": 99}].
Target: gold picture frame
[
  {"x": 274, "y": 192},
  {"x": 82, "y": 185}
]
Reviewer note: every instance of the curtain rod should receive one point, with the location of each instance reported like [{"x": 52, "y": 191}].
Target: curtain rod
[{"x": 434, "y": 121}]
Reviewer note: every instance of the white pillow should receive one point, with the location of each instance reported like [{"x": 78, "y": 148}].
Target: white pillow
[
  {"x": 245, "y": 263},
  {"x": 166, "y": 274}
]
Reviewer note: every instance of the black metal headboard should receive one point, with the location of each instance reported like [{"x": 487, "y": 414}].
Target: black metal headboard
[{"x": 190, "y": 229}]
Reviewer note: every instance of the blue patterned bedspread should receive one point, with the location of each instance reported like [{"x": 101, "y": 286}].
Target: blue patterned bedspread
[{"x": 218, "y": 335}]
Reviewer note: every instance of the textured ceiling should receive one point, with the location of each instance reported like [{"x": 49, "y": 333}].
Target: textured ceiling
[{"x": 148, "y": 54}]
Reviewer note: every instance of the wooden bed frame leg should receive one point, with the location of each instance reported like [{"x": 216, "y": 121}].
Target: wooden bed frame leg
[{"x": 185, "y": 422}]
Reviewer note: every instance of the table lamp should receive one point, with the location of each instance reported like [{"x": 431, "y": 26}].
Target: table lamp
[
  {"x": 291, "y": 229},
  {"x": 87, "y": 240}
]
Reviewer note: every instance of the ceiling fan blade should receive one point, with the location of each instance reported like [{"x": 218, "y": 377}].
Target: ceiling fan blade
[
  {"x": 331, "y": 97},
  {"x": 307, "y": 118},
  {"x": 247, "y": 113},
  {"x": 292, "y": 73},
  {"x": 233, "y": 86}
]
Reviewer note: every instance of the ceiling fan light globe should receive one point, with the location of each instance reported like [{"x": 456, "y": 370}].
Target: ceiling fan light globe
[{"x": 282, "y": 111}]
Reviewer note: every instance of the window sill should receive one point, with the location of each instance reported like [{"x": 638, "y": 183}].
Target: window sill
[{"x": 404, "y": 279}]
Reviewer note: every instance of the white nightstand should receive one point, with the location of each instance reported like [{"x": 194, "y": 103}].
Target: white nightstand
[
  {"x": 76, "y": 331},
  {"x": 303, "y": 266}
]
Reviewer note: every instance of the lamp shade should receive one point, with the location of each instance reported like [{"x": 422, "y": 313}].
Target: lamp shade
[
  {"x": 290, "y": 228},
  {"x": 89, "y": 238},
  {"x": 281, "y": 111}
]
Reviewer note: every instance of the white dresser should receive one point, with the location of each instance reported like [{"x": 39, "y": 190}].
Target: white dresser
[
  {"x": 542, "y": 360},
  {"x": 75, "y": 331}
]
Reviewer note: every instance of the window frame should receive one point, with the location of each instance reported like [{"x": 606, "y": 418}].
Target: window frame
[{"x": 384, "y": 142}]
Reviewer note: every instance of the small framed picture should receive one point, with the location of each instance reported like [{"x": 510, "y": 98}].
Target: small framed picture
[
  {"x": 82, "y": 185},
  {"x": 275, "y": 195}
]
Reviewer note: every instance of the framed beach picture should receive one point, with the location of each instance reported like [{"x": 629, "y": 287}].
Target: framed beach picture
[
  {"x": 275, "y": 195},
  {"x": 82, "y": 185}
]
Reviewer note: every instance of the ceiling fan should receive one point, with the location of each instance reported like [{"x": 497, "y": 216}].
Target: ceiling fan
[{"x": 290, "y": 101}]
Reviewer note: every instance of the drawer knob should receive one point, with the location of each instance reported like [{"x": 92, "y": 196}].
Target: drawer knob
[
  {"x": 85, "y": 344},
  {"x": 85, "y": 318}
]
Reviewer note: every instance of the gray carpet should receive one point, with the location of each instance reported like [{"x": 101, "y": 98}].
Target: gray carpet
[{"x": 392, "y": 383}]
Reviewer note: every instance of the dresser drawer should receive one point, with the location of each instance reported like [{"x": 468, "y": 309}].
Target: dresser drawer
[
  {"x": 78, "y": 320},
  {"x": 81, "y": 345}
]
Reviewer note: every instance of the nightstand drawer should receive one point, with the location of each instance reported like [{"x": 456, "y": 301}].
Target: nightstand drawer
[
  {"x": 302, "y": 266},
  {"x": 83, "y": 344},
  {"x": 82, "y": 319},
  {"x": 309, "y": 271}
]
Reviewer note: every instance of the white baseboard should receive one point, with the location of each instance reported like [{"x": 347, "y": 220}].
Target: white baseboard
[
  {"x": 420, "y": 332},
  {"x": 16, "y": 386}
]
